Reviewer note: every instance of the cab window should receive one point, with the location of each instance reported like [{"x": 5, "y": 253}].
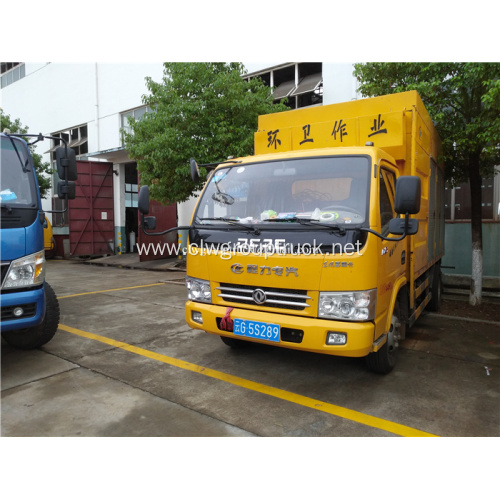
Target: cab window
[{"x": 387, "y": 181}]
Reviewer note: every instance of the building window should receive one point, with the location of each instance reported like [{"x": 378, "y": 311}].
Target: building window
[
  {"x": 76, "y": 138},
  {"x": 12, "y": 72},
  {"x": 300, "y": 83},
  {"x": 136, "y": 114},
  {"x": 131, "y": 186}
]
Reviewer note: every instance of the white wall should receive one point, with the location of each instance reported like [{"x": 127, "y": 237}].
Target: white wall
[
  {"x": 339, "y": 85},
  {"x": 121, "y": 87},
  {"x": 56, "y": 96}
]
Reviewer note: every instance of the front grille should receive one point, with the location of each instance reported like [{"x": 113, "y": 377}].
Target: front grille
[
  {"x": 29, "y": 311},
  {"x": 4, "y": 267},
  {"x": 281, "y": 298}
]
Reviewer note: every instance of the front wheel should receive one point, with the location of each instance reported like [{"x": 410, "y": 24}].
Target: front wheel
[
  {"x": 31, "y": 338},
  {"x": 384, "y": 360}
]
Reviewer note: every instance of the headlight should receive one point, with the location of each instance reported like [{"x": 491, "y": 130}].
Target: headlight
[
  {"x": 199, "y": 290},
  {"x": 28, "y": 271},
  {"x": 350, "y": 306}
]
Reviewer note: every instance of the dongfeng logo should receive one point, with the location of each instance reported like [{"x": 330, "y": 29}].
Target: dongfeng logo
[
  {"x": 259, "y": 296},
  {"x": 237, "y": 268}
]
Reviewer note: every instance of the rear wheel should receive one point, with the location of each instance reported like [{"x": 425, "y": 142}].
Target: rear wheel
[
  {"x": 31, "y": 338},
  {"x": 436, "y": 290},
  {"x": 384, "y": 360}
]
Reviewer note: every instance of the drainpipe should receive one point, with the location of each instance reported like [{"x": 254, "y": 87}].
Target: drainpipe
[{"x": 98, "y": 146}]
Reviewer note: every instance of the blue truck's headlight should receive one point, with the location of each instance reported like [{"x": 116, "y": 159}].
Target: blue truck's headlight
[
  {"x": 198, "y": 290},
  {"x": 27, "y": 271},
  {"x": 350, "y": 306}
]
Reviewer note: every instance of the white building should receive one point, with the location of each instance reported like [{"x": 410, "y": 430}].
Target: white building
[{"x": 88, "y": 103}]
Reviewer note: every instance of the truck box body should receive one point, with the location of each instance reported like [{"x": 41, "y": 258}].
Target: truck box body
[
  {"x": 262, "y": 257},
  {"x": 399, "y": 124}
]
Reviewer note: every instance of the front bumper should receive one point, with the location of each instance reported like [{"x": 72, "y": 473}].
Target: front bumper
[
  {"x": 359, "y": 335},
  {"x": 34, "y": 300}
]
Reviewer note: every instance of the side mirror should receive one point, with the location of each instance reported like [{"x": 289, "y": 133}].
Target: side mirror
[
  {"x": 143, "y": 203},
  {"x": 407, "y": 197},
  {"x": 149, "y": 223},
  {"x": 66, "y": 163},
  {"x": 398, "y": 226},
  {"x": 195, "y": 170},
  {"x": 66, "y": 190}
]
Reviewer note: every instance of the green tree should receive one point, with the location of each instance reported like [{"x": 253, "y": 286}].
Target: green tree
[
  {"x": 200, "y": 110},
  {"x": 463, "y": 100},
  {"x": 41, "y": 168}
]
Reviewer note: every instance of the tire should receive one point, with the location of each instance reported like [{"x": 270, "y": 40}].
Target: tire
[
  {"x": 234, "y": 343},
  {"x": 436, "y": 290},
  {"x": 384, "y": 360},
  {"x": 31, "y": 338}
]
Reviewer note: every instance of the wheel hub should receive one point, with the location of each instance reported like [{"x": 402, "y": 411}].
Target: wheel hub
[{"x": 394, "y": 336}]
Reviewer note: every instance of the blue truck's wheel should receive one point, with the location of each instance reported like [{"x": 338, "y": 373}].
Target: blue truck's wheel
[{"x": 31, "y": 338}]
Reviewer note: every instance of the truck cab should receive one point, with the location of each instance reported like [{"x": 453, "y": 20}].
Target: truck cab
[{"x": 29, "y": 307}]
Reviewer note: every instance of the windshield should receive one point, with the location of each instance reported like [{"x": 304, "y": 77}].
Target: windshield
[
  {"x": 17, "y": 182},
  {"x": 327, "y": 190}
]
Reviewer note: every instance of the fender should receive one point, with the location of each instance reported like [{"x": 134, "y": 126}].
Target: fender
[{"x": 398, "y": 286}]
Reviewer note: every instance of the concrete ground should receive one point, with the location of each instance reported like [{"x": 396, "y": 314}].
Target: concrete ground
[{"x": 124, "y": 363}]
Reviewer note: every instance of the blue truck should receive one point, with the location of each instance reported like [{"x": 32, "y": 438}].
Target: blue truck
[{"x": 29, "y": 306}]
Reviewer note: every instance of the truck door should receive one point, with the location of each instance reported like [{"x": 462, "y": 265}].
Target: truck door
[{"x": 392, "y": 254}]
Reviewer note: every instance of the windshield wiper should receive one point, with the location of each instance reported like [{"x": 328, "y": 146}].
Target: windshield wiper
[
  {"x": 25, "y": 164},
  {"x": 7, "y": 207},
  {"x": 252, "y": 229},
  {"x": 310, "y": 222}
]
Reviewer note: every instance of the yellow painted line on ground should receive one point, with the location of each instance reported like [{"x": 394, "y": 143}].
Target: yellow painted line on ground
[
  {"x": 315, "y": 404},
  {"x": 104, "y": 291}
]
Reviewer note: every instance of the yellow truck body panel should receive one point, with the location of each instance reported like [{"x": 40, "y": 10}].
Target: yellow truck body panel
[{"x": 48, "y": 237}]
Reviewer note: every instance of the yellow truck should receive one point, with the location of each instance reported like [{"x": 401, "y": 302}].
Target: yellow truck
[
  {"x": 328, "y": 239},
  {"x": 49, "y": 241}
]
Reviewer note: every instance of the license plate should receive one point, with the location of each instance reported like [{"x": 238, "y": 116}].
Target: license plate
[{"x": 257, "y": 330}]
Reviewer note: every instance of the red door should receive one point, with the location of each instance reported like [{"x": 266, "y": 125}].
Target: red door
[
  {"x": 159, "y": 247},
  {"x": 91, "y": 218}
]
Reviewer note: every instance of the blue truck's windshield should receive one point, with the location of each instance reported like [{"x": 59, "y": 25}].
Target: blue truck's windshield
[
  {"x": 329, "y": 190},
  {"x": 17, "y": 178}
]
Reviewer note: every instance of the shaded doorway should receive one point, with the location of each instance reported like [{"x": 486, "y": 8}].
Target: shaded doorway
[{"x": 131, "y": 211}]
